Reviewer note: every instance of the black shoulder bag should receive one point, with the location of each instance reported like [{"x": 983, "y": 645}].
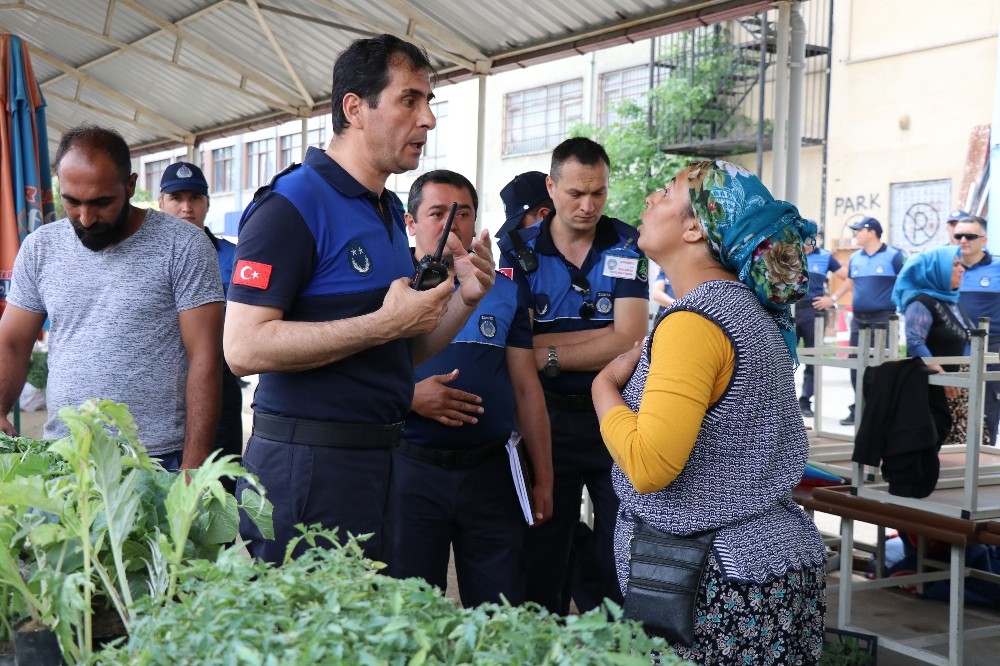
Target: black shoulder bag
[{"x": 664, "y": 580}]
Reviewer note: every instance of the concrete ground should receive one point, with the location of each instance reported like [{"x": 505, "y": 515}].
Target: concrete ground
[{"x": 891, "y": 611}]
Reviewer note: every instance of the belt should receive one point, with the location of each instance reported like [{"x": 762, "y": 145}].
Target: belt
[
  {"x": 570, "y": 403},
  {"x": 326, "y": 433},
  {"x": 453, "y": 458}
]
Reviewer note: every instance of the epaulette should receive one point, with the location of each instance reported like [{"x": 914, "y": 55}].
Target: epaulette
[{"x": 263, "y": 191}]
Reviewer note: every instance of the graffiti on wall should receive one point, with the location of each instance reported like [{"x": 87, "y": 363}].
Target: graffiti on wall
[
  {"x": 918, "y": 213},
  {"x": 850, "y": 209}
]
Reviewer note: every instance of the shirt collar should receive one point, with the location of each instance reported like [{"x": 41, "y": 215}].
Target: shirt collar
[
  {"x": 344, "y": 182},
  {"x": 605, "y": 236},
  {"x": 211, "y": 237},
  {"x": 985, "y": 261}
]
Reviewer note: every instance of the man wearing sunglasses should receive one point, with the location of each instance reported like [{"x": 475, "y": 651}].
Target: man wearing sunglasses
[
  {"x": 980, "y": 296},
  {"x": 589, "y": 299},
  {"x": 953, "y": 218},
  {"x": 873, "y": 269}
]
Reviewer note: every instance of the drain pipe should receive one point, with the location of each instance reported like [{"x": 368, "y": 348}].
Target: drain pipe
[
  {"x": 780, "y": 132},
  {"x": 796, "y": 95},
  {"x": 993, "y": 243}
]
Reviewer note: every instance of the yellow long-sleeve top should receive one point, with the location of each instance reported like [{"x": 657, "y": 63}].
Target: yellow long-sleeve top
[{"x": 691, "y": 365}]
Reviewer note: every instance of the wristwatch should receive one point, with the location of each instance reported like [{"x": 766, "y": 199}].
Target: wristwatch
[{"x": 552, "y": 368}]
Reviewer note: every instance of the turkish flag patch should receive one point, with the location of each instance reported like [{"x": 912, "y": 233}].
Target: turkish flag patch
[
  {"x": 252, "y": 274},
  {"x": 507, "y": 273}
]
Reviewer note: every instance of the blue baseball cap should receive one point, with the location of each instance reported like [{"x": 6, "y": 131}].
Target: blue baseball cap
[
  {"x": 520, "y": 195},
  {"x": 869, "y": 223},
  {"x": 183, "y": 177}
]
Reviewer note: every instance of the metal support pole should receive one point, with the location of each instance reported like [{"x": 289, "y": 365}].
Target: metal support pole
[{"x": 780, "y": 138}]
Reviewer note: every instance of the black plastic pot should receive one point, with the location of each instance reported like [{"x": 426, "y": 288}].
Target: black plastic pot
[{"x": 37, "y": 648}]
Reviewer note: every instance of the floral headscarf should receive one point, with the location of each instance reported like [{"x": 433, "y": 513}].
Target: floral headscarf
[
  {"x": 755, "y": 236},
  {"x": 927, "y": 273}
]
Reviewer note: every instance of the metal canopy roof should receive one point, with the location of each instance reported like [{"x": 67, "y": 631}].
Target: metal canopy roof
[{"x": 179, "y": 72}]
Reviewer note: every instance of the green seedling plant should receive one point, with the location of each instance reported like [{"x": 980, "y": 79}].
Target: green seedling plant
[
  {"x": 90, "y": 523},
  {"x": 333, "y": 606}
]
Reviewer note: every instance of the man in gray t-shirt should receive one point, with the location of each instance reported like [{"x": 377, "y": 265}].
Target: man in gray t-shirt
[{"x": 134, "y": 301}]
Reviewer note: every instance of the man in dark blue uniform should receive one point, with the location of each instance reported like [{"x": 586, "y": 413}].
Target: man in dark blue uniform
[
  {"x": 821, "y": 264},
  {"x": 872, "y": 273},
  {"x": 589, "y": 300},
  {"x": 321, "y": 305},
  {"x": 184, "y": 194},
  {"x": 451, "y": 478},
  {"x": 979, "y": 295}
]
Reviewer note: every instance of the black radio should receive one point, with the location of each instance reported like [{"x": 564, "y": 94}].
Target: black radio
[{"x": 432, "y": 271}]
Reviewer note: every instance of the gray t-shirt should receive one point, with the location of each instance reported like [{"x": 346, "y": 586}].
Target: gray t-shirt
[{"x": 114, "y": 328}]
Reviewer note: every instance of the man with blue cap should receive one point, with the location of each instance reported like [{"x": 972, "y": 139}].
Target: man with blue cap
[
  {"x": 872, "y": 273},
  {"x": 184, "y": 194},
  {"x": 526, "y": 200}
]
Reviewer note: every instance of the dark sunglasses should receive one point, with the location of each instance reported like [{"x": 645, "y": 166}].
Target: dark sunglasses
[
  {"x": 581, "y": 285},
  {"x": 968, "y": 237}
]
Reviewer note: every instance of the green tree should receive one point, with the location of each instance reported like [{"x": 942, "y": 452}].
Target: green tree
[{"x": 684, "y": 108}]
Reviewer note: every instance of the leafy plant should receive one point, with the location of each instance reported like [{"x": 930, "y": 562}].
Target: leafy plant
[
  {"x": 683, "y": 108},
  {"x": 38, "y": 369},
  {"x": 332, "y": 606},
  {"x": 843, "y": 648},
  {"x": 90, "y": 523}
]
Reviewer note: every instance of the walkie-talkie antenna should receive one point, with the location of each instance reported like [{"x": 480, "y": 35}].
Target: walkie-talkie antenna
[{"x": 447, "y": 230}]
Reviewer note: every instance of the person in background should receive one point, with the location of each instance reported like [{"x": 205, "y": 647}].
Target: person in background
[
  {"x": 451, "y": 485},
  {"x": 661, "y": 291},
  {"x": 980, "y": 297},
  {"x": 589, "y": 301},
  {"x": 184, "y": 194},
  {"x": 953, "y": 219},
  {"x": 321, "y": 306},
  {"x": 926, "y": 292},
  {"x": 720, "y": 362},
  {"x": 525, "y": 201},
  {"x": 135, "y": 304},
  {"x": 821, "y": 264},
  {"x": 872, "y": 271}
]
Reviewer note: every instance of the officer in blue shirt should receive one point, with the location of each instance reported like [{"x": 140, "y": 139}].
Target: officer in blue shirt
[
  {"x": 979, "y": 295},
  {"x": 589, "y": 297},
  {"x": 821, "y": 264},
  {"x": 184, "y": 194},
  {"x": 322, "y": 309},
  {"x": 873, "y": 269},
  {"x": 451, "y": 482}
]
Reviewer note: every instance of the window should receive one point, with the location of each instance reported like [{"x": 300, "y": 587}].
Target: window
[
  {"x": 618, "y": 86},
  {"x": 538, "y": 119},
  {"x": 222, "y": 169},
  {"x": 154, "y": 172},
  {"x": 260, "y": 163},
  {"x": 291, "y": 145},
  {"x": 435, "y": 150}
]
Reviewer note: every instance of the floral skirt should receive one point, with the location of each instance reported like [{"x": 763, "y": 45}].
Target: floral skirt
[{"x": 777, "y": 622}]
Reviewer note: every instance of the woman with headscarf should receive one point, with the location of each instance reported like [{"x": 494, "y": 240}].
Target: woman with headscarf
[
  {"x": 703, "y": 422},
  {"x": 926, "y": 292}
]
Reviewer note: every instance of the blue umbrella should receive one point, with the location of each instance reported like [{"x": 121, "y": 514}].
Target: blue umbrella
[{"x": 29, "y": 156}]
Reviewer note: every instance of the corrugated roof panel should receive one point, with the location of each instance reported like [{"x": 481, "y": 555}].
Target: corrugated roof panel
[{"x": 224, "y": 39}]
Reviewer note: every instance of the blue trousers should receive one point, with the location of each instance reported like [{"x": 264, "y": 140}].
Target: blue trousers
[
  {"x": 475, "y": 511},
  {"x": 331, "y": 487},
  {"x": 579, "y": 458}
]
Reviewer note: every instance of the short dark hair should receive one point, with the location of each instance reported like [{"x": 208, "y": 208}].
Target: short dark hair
[
  {"x": 585, "y": 151},
  {"x": 94, "y": 138},
  {"x": 363, "y": 69},
  {"x": 981, "y": 221},
  {"x": 438, "y": 177}
]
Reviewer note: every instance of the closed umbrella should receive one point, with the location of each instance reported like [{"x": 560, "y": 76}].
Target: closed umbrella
[{"x": 25, "y": 181}]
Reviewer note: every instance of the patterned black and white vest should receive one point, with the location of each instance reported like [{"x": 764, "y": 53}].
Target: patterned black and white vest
[{"x": 749, "y": 454}]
